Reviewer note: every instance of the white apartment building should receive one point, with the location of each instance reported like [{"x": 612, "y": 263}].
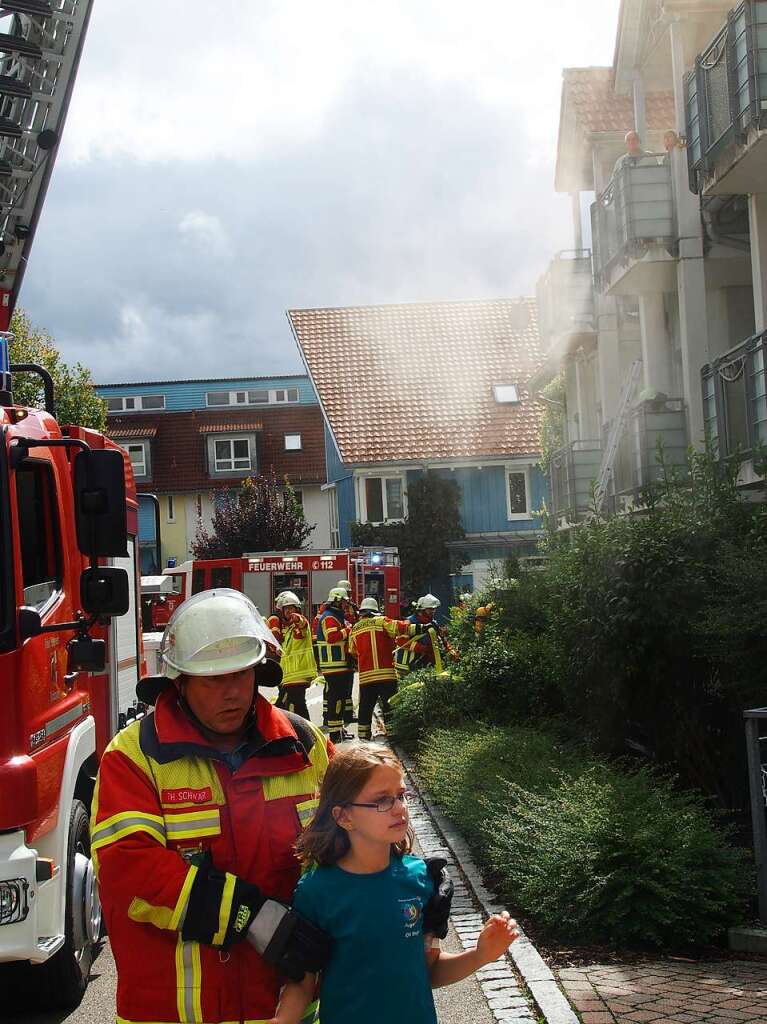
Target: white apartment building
[{"x": 659, "y": 327}]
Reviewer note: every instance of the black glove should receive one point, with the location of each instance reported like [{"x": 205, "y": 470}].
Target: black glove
[
  {"x": 282, "y": 937},
  {"x": 437, "y": 912},
  {"x": 288, "y": 941}
]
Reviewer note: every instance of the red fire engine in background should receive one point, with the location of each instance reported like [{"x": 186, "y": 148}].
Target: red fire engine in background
[
  {"x": 70, "y": 641},
  {"x": 372, "y": 572}
]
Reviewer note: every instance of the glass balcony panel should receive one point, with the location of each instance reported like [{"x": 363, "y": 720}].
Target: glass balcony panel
[
  {"x": 759, "y": 412},
  {"x": 736, "y": 419}
]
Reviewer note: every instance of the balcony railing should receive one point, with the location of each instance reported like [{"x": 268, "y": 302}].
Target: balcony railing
[
  {"x": 565, "y": 295},
  {"x": 638, "y": 464},
  {"x": 638, "y": 461},
  {"x": 635, "y": 212},
  {"x": 727, "y": 90},
  {"x": 734, "y": 398},
  {"x": 573, "y": 470}
]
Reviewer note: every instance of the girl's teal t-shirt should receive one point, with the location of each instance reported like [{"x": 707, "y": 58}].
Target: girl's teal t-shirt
[{"x": 377, "y": 971}]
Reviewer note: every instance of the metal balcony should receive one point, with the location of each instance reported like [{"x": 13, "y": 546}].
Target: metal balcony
[
  {"x": 734, "y": 399},
  {"x": 726, "y": 97},
  {"x": 573, "y": 471},
  {"x": 633, "y": 229},
  {"x": 654, "y": 442},
  {"x": 566, "y": 297}
]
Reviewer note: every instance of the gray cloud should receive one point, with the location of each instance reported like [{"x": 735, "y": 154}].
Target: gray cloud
[{"x": 409, "y": 191}]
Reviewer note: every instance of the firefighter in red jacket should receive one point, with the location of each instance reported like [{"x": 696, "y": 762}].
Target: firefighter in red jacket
[
  {"x": 372, "y": 641},
  {"x": 332, "y": 636},
  {"x": 195, "y": 814}
]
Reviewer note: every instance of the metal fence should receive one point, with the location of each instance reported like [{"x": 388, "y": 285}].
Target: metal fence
[
  {"x": 726, "y": 92},
  {"x": 735, "y": 397},
  {"x": 636, "y": 210}
]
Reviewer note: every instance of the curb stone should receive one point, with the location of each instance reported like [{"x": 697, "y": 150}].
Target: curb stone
[{"x": 499, "y": 985}]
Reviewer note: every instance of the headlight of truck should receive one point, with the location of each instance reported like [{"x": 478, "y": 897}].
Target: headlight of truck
[{"x": 14, "y": 904}]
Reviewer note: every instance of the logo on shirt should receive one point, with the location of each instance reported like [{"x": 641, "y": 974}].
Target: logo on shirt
[
  {"x": 411, "y": 913},
  {"x": 411, "y": 917},
  {"x": 187, "y": 796}
]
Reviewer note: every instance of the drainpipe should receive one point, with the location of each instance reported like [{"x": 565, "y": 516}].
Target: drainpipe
[{"x": 640, "y": 113}]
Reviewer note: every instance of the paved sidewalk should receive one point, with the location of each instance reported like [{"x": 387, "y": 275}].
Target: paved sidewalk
[{"x": 668, "y": 992}]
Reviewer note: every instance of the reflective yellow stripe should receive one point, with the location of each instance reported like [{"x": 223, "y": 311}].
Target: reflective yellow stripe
[
  {"x": 225, "y": 910},
  {"x": 193, "y": 824},
  {"x": 435, "y": 648},
  {"x": 123, "y": 824},
  {"x": 188, "y": 982},
  {"x": 294, "y": 784},
  {"x": 311, "y": 1014},
  {"x": 146, "y": 913},
  {"x": 180, "y": 979},
  {"x": 179, "y": 911},
  {"x": 196, "y": 981},
  {"x": 306, "y": 811}
]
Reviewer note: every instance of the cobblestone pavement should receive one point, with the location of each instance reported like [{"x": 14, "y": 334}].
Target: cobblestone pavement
[
  {"x": 498, "y": 981},
  {"x": 666, "y": 991}
]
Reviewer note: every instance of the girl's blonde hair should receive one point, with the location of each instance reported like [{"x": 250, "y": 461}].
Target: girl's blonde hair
[{"x": 323, "y": 841}]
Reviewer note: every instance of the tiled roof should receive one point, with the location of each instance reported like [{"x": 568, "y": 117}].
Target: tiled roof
[
  {"x": 202, "y": 380},
  {"x": 414, "y": 382},
  {"x": 124, "y": 433},
  {"x": 598, "y": 109},
  {"x": 178, "y": 447},
  {"x": 228, "y": 427}
]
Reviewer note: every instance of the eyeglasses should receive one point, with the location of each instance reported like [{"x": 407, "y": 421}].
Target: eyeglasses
[{"x": 386, "y": 802}]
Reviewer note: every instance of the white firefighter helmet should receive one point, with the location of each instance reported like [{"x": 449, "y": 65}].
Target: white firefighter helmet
[
  {"x": 369, "y": 604},
  {"x": 427, "y": 603},
  {"x": 345, "y": 585},
  {"x": 214, "y": 632},
  {"x": 337, "y": 594},
  {"x": 287, "y": 599}
]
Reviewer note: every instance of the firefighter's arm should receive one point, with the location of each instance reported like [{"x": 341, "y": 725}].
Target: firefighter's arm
[
  {"x": 275, "y": 626},
  {"x": 353, "y": 644},
  {"x": 333, "y": 631}
]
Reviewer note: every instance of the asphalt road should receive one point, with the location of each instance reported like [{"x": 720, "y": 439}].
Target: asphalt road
[{"x": 463, "y": 1003}]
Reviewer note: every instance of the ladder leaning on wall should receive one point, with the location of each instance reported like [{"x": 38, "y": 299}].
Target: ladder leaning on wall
[{"x": 615, "y": 434}]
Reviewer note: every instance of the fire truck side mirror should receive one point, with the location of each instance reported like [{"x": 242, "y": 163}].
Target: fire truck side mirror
[
  {"x": 30, "y": 623},
  {"x": 105, "y": 591},
  {"x": 86, "y": 655},
  {"x": 100, "y": 509}
]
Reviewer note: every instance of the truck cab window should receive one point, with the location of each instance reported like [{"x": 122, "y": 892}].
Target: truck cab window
[
  {"x": 221, "y": 576},
  {"x": 38, "y": 532}
]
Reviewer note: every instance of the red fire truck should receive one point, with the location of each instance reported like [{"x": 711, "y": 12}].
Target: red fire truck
[
  {"x": 70, "y": 641},
  {"x": 372, "y": 572}
]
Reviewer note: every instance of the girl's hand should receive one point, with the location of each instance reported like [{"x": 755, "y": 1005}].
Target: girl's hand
[{"x": 499, "y": 932}]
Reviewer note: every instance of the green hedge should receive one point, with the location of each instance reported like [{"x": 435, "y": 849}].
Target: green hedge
[{"x": 590, "y": 852}]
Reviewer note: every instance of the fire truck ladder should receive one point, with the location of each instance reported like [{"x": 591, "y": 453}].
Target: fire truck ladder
[
  {"x": 615, "y": 434},
  {"x": 359, "y": 577},
  {"x": 40, "y": 46}
]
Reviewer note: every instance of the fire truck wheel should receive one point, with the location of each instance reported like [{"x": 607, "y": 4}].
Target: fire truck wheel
[{"x": 63, "y": 979}]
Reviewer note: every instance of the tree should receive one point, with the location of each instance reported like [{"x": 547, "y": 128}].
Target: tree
[
  {"x": 263, "y": 515},
  {"x": 76, "y": 401},
  {"x": 433, "y": 520}
]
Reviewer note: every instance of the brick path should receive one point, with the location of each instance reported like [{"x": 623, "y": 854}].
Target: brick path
[{"x": 667, "y": 991}]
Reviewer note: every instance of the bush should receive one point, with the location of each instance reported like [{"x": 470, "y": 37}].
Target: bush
[
  {"x": 424, "y": 701},
  {"x": 593, "y": 853}
]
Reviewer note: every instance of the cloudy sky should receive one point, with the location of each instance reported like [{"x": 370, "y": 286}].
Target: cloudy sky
[{"x": 225, "y": 161}]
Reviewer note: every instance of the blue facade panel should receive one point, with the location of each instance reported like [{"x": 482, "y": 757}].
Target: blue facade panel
[
  {"x": 147, "y": 522},
  {"x": 483, "y": 499},
  {"x": 190, "y": 394},
  {"x": 347, "y": 511},
  {"x": 333, "y": 465}
]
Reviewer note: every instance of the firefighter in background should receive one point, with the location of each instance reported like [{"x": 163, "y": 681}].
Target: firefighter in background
[
  {"x": 482, "y": 617},
  {"x": 299, "y": 668},
  {"x": 196, "y": 811},
  {"x": 352, "y": 611},
  {"x": 335, "y": 665},
  {"x": 423, "y": 651},
  {"x": 372, "y": 642}
]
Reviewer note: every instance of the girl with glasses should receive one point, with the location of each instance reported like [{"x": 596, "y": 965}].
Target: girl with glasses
[{"x": 380, "y": 905}]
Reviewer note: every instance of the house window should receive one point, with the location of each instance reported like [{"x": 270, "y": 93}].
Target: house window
[
  {"x": 171, "y": 517},
  {"x": 292, "y": 442},
  {"x": 253, "y": 396},
  {"x": 285, "y": 395},
  {"x": 231, "y": 454},
  {"x": 136, "y": 403},
  {"x": 384, "y": 499},
  {"x": 518, "y": 493},
  {"x": 137, "y": 452},
  {"x": 505, "y": 393}
]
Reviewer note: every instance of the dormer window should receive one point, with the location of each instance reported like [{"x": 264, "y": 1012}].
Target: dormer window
[{"x": 505, "y": 394}]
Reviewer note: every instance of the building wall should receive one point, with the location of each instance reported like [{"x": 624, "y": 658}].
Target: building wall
[
  {"x": 316, "y": 511},
  {"x": 190, "y": 394}
]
